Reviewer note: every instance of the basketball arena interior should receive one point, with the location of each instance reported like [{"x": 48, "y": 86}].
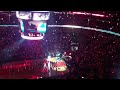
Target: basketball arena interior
[{"x": 59, "y": 45}]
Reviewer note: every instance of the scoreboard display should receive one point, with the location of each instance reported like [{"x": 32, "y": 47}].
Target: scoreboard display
[
  {"x": 33, "y": 15},
  {"x": 42, "y": 27},
  {"x": 33, "y": 24}
]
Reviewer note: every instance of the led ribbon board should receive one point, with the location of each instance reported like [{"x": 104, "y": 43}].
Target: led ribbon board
[{"x": 32, "y": 38}]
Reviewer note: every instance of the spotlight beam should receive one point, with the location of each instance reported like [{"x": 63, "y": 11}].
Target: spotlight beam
[{"x": 8, "y": 52}]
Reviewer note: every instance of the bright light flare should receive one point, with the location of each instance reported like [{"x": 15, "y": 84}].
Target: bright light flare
[
  {"x": 49, "y": 58},
  {"x": 85, "y": 13},
  {"x": 99, "y": 15}
]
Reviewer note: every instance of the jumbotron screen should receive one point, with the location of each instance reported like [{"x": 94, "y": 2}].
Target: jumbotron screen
[
  {"x": 41, "y": 16},
  {"x": 24, "y": 15},
  {"x": 33, "y": 15},
  {"x": 37, "y": 26},
  {"x": 33, "y": 24}
]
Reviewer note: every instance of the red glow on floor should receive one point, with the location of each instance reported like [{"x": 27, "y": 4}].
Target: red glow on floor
[{"x": 28, "y": 69}]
